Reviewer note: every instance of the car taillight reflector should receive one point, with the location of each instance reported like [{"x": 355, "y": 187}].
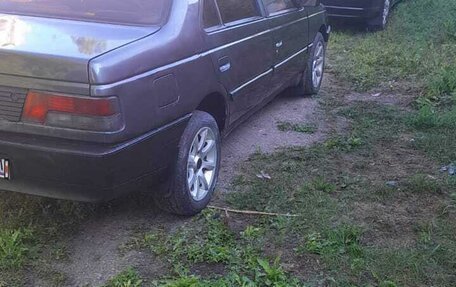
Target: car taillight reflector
[{"x": 39, "y": 104}]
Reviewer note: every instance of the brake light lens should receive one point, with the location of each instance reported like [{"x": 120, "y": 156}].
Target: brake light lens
[
  {"x": 71, "y": 111},
  {"x": 38, "y": 105}
]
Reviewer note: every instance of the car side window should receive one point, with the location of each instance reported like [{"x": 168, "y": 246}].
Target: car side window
[
  {"x": 274, "y": 6},
  {"x": 210, "y": 14},
  {"x": 234, "y": 10}
]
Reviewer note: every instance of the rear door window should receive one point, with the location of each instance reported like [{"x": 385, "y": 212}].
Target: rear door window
[
  {"x": 235, "y": 10},
  {"x": 210, "y": 14},
  {"x": 142, "y": 12},
  {"x": 275, "y": 6}
]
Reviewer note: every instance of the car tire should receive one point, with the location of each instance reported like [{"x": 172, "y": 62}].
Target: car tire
[
  {"x": 312, "y": 77},
  {"x": 191, "y": 186},
  {"x": 380, "y": 22}
]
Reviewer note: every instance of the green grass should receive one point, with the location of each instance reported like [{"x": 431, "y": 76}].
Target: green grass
[
  {"x": 267, "y": 275},
  {"x": 344, "y": 143},
  {"x": 28, "y": 226},
  {"x": 423, "y": 183},
  {"x": 296, "y": 127},
  {"x": 435, "y": 128},
  {"x": 320, "y": 184},
  {"x": 419, "y": 46},
  {"x": 341, "y": 240},
  {"x": 373, "y": 123},
  {"x": 209, "y": 241},
  {"x": 412, "y": 267},
  {"x": 127, "y": 278},
  {"x": 292, "y": 190},
  {"x": 429, "y": 117},
  {"x": 418, "y": 51},
  {"x": 212, "y": 244},
  {"x": 14, "y": 247}
]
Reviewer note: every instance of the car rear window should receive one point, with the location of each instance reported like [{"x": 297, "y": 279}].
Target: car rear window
[
  {"x": 142, "y": 12},
  {"x": 234, "y": 10},
  {"x": 274, "y": 6}
]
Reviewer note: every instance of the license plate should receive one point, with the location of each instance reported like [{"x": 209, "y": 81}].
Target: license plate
[{"x": 4, "y": 169}]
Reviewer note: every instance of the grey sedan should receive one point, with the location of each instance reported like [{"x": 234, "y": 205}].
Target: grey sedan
[{"x": 99, "y": 98}]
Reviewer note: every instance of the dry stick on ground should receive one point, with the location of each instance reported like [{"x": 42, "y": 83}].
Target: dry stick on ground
[{"x": 250, "y": 212}]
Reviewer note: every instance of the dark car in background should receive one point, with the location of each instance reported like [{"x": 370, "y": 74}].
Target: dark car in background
[
  {"x": 373, "y": 13},
  {"x": 98, "y": 98}
]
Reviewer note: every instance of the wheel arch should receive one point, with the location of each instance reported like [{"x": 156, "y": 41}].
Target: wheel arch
[
  {"x": 216, "y": 105},
  {"x": 324, "y": 31}
]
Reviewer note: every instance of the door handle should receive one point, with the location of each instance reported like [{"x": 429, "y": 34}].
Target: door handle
[
  {"x": 279, "y": 44},
  {"x": 225, "y": 67}
]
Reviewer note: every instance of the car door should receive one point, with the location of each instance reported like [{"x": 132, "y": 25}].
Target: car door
[
  {"x": 289, "y": 25},
  {"x": 240, "y": 46}
]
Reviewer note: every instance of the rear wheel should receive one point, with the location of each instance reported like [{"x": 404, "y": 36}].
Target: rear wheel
[
  {"x": 313, "y": 75},
  {"x": 380, "y": 21},
  {"x": 195, "y": 175}
]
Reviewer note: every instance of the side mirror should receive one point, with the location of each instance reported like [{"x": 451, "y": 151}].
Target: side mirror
[{"x": 309, "y": 3}]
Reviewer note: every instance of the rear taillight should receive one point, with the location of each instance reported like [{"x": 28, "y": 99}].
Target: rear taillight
[{"x": 98, "y": 114}]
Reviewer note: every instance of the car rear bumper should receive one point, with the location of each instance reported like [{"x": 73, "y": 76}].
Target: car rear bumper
[{"x": 87, "y": 171}]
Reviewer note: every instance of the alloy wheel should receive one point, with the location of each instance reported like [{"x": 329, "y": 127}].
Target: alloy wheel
[
  {"x": 318, "y": 64},
  {"x": 386, "y": 10},
  {"x": 202, "y": 163}
]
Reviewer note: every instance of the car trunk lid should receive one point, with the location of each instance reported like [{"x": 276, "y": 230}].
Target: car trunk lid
[{"x": 56, "y": 49}]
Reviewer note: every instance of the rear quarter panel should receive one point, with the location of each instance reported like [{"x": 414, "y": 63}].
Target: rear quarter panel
[
  {"x": 160, "y": 78},
  {"x": 317, "y": 19}
]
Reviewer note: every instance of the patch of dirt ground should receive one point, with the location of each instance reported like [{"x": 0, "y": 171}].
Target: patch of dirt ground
[{"x": 260, "y": 133}]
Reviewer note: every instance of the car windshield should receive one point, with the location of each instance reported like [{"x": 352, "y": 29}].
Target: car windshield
[{"x": 140, "y": 12}]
